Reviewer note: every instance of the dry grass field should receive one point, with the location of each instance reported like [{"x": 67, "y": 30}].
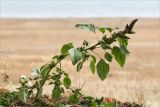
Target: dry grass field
[{"x": 29, "y": 43}]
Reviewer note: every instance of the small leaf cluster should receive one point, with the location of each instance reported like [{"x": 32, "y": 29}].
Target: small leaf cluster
[{"x": 119, "y": 53}]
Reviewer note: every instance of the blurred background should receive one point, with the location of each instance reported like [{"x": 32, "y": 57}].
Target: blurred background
[
  {"x": 32, "y": 31},
  {"x": 78, "y": 8}
]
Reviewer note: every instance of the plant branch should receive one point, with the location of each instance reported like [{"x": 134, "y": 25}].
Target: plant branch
[{"x": 54, "y": 64}]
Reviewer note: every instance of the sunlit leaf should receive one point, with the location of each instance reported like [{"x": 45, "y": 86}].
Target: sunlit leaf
[
  {"x": 119, "y": 57},
  {"x": 75, "y": 55},
  {"x": 104, "y": 29},
  {"x": 44, "y": 70},
  {"x": 66, "y": 47},
  {"x": 89, "y": 27}
]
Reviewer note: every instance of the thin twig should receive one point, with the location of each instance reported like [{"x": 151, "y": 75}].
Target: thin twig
[{"x": 96, "y": 54}]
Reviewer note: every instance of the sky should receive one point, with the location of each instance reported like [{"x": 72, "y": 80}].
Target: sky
[{"x": 78, "y": 8}]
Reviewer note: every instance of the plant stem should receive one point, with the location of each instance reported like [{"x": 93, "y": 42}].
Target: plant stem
[
  {"x": 93, "y": 47},
  {"x": 96, "y": 54},
  {"x": 52, "y": 65}
]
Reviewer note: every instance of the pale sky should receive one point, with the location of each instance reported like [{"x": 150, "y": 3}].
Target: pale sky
[{"x": 79, "y": 8}]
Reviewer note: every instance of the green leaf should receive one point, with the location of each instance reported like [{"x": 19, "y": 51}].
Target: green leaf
[
  {"x": 93, "y": 58},
  {"x": 85, "y": 56},
  {"x": 102, "y": 69},
  {"x": 67, "y": 82},
  {"x": 89, "y": 27},
  {"x": 56, "y": 77},
  {"x": 124, "y": 50},
  {"x": 95, "y": 104},
  {"x": 123, "y": 42},
  {"x": 89, "y": 98},
  {"x": 75, "y": 55},
  {"x": 66, "y": 47},
  {"x": 73, "y": 99},
  {"x": 92, "y": 66},
  {"x": 56, "y": 93},
  {"x": 104, "y": 29},
  {"x": 54, "y": 58},
  {"x": 23, "y": 94},
  {"x": 108, "y": 56},
  {"x": 7, "y": 98},
  {"x": 123, "y": 46},
  {"x": 79, "y": 66},
  {"x": 41, "y": 68},
  {"x": 109, "y": 104},
  {"x": 45, "y": 69},
  {"x": 119, "y": 57},
  {"x": 109, "y": 29}
]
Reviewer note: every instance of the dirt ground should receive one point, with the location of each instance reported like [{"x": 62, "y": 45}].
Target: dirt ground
[{"x": 29, "y": 43}]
